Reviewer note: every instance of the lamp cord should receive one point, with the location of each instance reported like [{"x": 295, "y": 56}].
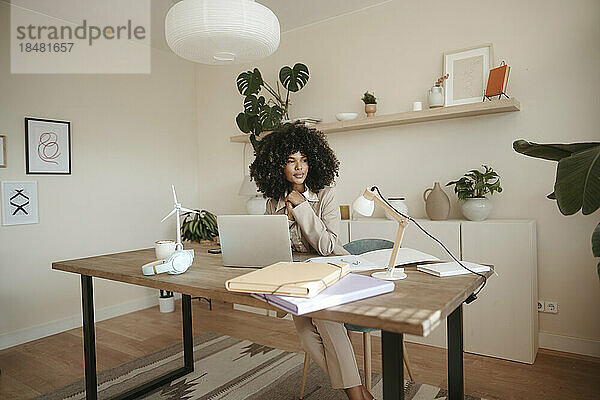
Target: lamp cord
[{"x": 472, "y": 296}]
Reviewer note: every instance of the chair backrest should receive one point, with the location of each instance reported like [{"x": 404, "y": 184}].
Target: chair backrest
[{"x": 364, "y": 245}]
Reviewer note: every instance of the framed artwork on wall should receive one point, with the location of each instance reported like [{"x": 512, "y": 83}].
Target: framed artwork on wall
[
  {"x": 2, "y": 151},
  {"x": 47, "y": 146},
  {"x": 468, "y": 71},
  {"x": 19, "y": 203}
]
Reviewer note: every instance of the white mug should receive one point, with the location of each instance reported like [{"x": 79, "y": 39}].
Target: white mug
[
  {"x": 417, "y": 106},
  {"x": 164, "y": 248}
]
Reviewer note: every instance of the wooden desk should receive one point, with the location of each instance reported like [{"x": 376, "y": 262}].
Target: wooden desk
[{"x": 417, "y": 306}]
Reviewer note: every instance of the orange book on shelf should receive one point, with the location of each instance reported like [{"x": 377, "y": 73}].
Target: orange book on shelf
[{"x": 497, "y": 81}]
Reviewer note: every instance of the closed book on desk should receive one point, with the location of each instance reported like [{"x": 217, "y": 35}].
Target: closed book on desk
[
  {"x": 299, "y": 279},
  {"x": 351, "y": 287},
  {"x": 452, "y": 268}
]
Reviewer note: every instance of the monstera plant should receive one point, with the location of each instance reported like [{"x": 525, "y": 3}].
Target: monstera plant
[
  {"x": 577, "y": 185},
  {"x": 262, "y": 114}
]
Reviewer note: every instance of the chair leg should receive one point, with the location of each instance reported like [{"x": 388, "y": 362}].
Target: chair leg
[
  {"x": 304, "y": 374},
  {"x": 405, "y": 357},
  {"x": 367, "y": 359}
]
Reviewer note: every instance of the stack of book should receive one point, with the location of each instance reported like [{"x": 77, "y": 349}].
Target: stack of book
[{"x": 300, "y": 288}]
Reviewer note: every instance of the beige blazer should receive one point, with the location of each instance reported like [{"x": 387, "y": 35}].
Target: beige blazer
[{"x": 316, "y": 224}]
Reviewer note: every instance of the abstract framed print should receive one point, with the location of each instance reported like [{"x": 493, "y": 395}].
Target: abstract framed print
[
  {"x": 468, "y": 69},
  {"x": 47, "y": 146},
  {"x": 19, "y": 203}
]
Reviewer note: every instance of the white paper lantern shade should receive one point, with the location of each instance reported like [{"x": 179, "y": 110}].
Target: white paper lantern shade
[{"x": 221, "y": 31}]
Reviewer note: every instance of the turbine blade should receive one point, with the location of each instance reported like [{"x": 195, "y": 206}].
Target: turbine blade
[
  {"x": 174, "y": 195},
  {"x": 168, "y": 215},
  {"x": 188, "y": 210}
]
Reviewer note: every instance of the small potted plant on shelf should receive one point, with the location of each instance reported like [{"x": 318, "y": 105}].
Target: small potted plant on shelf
[
  {"x": 435, "y": 96},
  {"x": 370, "y": 103},
  {"x": 472, "y": 189}
]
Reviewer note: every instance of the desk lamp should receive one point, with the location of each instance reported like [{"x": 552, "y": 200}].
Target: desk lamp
[{"x": 365, "y": 204}]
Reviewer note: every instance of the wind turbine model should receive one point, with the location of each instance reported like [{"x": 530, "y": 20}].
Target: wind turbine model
[
  {"x": 180, "y": 260},
  {"x": 177, "y": 208}
]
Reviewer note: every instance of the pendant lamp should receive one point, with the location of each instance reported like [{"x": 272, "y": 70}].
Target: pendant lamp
[{"x": 221, "y": 31}]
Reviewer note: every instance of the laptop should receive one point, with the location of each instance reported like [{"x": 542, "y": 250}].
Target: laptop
[{"x": 254, "y": 240}]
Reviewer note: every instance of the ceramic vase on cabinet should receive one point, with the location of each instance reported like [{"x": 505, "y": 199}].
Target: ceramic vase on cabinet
[
  {"x": 435, "y": 97},
  {"x": 437, "y": 203},
  {"x": 399, "y": 204},
  {"x": 476, "y": 209}
]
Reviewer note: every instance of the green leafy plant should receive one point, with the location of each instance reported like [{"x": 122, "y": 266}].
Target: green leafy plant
[
  {"x": 197, "y": 227},
  {"x": 577, "y": 184},
  {"x": 369, "y": 98},
  {"x": 476, "y": 184},
  {"x": 262, "y": 114}
]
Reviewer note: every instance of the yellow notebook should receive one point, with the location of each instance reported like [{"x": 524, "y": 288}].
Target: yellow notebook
[{"x": 298, "y": 279}]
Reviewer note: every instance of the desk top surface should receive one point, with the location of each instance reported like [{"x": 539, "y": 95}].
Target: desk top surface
[{"x": 417, "y": 305}]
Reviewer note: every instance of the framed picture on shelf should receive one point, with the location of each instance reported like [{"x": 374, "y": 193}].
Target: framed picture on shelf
[
  {"x": 47, "y": 146},
  {"x": 468, "y": 71},
  {"x": 19, "y": 203},
  {"x": 2, "y": 151}
]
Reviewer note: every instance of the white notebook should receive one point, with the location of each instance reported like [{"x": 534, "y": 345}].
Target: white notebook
[
  {"x": 351, "y": 287},
  {"x": 378, "y": 259},
  {"x": 451, "y": 268}
]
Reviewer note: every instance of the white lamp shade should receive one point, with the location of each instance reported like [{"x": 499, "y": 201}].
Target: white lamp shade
[
  {"x": 221, "y": 31},
  {"x": 363, "y": 206},
  {"x": 248, "y": 187}
]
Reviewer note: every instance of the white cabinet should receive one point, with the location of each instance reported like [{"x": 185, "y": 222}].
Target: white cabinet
[{"x": 502, "y": 322}]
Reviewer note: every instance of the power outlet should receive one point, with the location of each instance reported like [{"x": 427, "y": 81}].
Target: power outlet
[
  {"x": 541, "y": 306},
  {"x": 552, "y": 307}
]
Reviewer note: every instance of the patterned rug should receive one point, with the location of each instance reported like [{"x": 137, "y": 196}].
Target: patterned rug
[{"x": 230, "y": 368}]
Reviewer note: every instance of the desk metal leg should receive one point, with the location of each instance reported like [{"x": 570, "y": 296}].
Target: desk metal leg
[
  {"x": 456, "y": 390},
  {"x": 393, "y": 371},
  {"x": 89, "y": 338},
  {"x": 89, "y": 346}
]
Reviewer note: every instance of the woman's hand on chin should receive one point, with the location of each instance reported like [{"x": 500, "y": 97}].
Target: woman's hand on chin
[
  {"x": 289, "y": 207},
  {"x": 295, "y": 198}
]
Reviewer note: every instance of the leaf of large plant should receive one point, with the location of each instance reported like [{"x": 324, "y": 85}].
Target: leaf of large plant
[
  {"x": 294, "y": 79},
  {"x": 596, "y": 241},
  {"x": 252, "y": 104},
  {"x": 249, "y": 82},
  {"x": 554, "y": 152},
  {"x": 578, "y": 182},
  {"x": 270, "y": 116},
  {"x": 247, "y": 123}
]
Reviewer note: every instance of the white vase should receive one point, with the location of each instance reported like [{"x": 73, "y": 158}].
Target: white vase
[
  {"x": 166, "y": 304},
  {"x": 476, "y": 209},
  {"x": 435, "y": 97},
  {"x": 399, "y": 204}
]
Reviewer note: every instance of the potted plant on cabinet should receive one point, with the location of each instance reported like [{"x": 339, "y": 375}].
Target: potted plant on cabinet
[
  {"x": 370, "y": 103},
  {"x": 472, "y": 189}
]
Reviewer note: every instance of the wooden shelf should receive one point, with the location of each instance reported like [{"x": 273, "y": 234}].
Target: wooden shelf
[{"x": 411, "y": 117}]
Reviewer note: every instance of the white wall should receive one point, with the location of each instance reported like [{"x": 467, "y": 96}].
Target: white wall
[
  {"x": 396, "y": 51},
  {"x": 132, "y": 137}
]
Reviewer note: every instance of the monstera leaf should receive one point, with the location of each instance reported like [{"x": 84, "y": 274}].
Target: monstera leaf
[
  {"x": 270, "y": 116},
  {"x": 248, "y": 123},
  {"x": 294, "y": 79},
  {"x": 578, "y": 182},
  {"x": 249, "y": 82},
  {"x": 252, "y": 104}
]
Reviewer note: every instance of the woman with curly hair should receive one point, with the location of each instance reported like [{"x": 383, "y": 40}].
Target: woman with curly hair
[{"x": 295, "y": 169}]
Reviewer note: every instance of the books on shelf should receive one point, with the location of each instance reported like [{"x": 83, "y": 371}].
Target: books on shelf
[
  {"x": 302, "y": 279},
  {"x": 452, "y": 268},
  {"x": 497, "y": 81},
  {"x": 379, "y": 259},
  {"x": 351, "y": 287}
]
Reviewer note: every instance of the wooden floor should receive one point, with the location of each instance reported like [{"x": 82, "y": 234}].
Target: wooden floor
[{"x": 40, "y": 366}]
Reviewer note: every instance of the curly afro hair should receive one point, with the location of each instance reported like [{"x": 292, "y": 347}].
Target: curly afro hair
[{"x": 272, "y": 153}]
